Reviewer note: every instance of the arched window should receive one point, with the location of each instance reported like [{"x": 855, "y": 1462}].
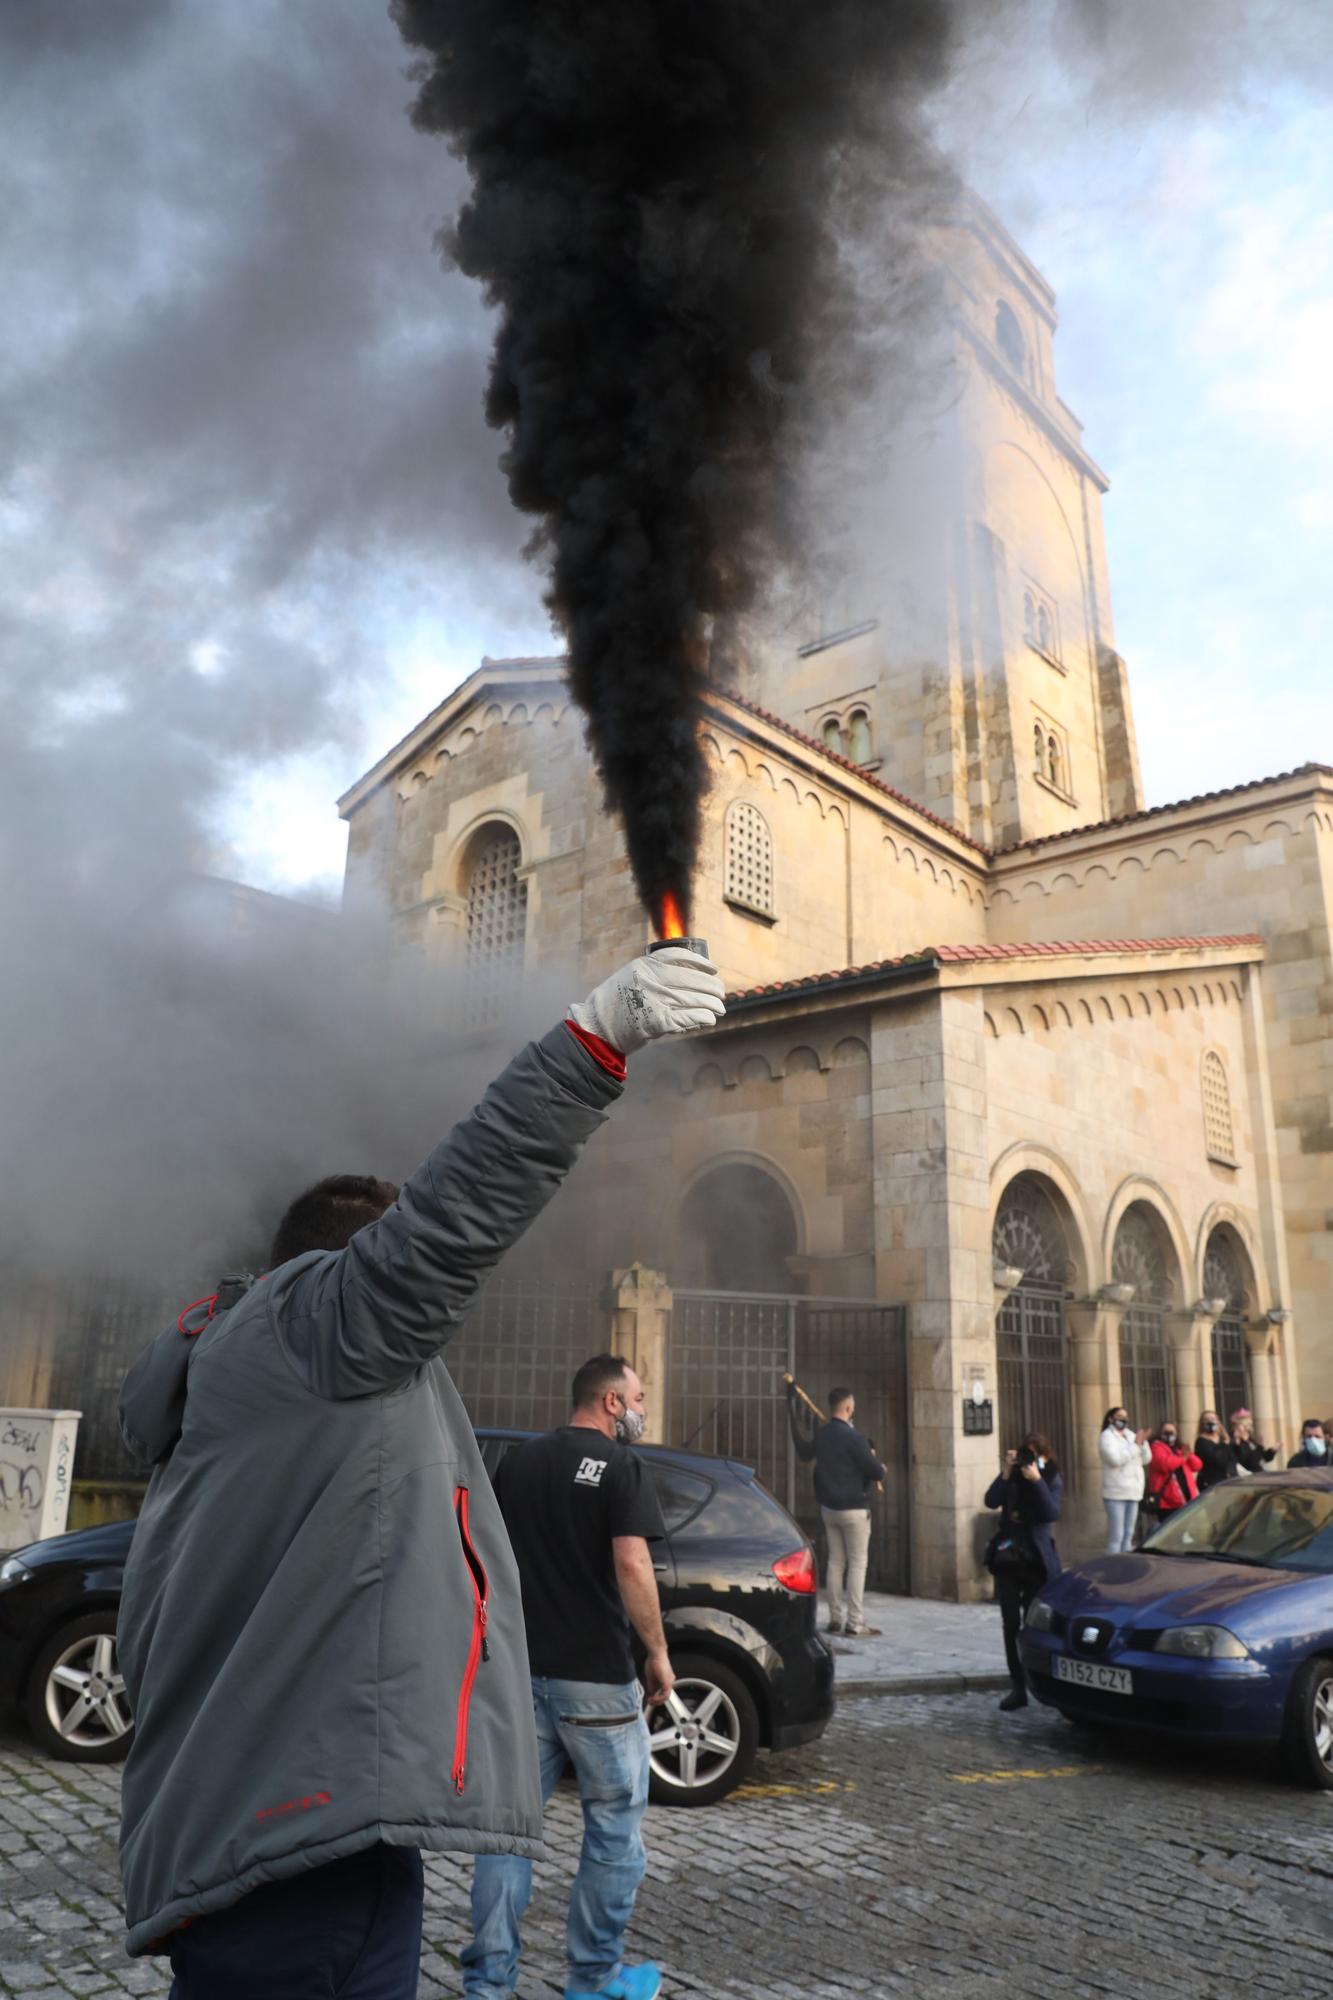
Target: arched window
[
  {"x": 1039, "y": 750},
  {"x": 1141, "y": 1257},
  {"x": 1055, "y": 763},
  {"x": 858, "y": 737},
  {"x": 497, "y": 916},
  {"x": 1029, "y": 618},
  {"x": 1225, "y": 1270},
  {"x": 833, "y": 735},
  {"x": 1032, "y": 1343},
  {"x": 749, "y": 861},
  {"x": 1009, "y": 338},
  {"x": 1218, "y": 1135},
  {"x": 737, "y": 1232},
  {"x": 1045, "y": 636}
]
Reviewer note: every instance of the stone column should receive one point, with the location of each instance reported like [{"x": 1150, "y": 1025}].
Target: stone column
[
  {"x": 933, "y": 1252},
  {"x": 641, "y": 1314},
  {"x": 1094, "y": 1332},
  {"x": 1261, "y": 1340},
  {"x": 1190, "y": 1335}
]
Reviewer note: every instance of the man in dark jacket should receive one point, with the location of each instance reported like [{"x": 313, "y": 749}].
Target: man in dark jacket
[
  {"x": 1314, "y": 1448},
  {"x": 321, "y": 1631},
  {"x": 846, "y": 1473}
]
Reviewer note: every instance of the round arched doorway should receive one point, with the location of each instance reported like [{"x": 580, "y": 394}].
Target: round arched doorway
[
  {"x": 1226, "y": 1276},
  {"x": 1031, "y": 1336},
  {"x": 736, "y": 1232},
  {"x": 1141, "y": 1256}
]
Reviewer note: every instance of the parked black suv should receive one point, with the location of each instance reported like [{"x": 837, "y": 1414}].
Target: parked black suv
[{"x": 737, "y": 1582}]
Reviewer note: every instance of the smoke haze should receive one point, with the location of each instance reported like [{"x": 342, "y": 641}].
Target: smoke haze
[{"x": 247, "y": 453}]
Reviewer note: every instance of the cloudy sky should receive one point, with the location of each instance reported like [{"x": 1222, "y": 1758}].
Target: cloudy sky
[{"x": 251, "y": 523}]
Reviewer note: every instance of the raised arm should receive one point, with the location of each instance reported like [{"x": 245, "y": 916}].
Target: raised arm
[{"x": 360, "y": 1320}]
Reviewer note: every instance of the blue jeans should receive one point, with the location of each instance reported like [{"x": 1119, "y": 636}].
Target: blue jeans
[
  {"x": 1121, "y": 1516},
  {"x": 350, "y": 1928},
  {"x": 599, "y": 1728}
]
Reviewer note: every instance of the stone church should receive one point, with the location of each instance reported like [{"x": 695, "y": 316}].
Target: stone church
[{"x": 1023, "y": 1106}]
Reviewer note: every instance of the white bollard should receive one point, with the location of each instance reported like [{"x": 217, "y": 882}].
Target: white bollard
[{"x": 36, "y": 1474}]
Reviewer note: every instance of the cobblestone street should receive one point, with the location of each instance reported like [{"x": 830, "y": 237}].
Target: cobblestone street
[{"x": 928, "y": 1846}]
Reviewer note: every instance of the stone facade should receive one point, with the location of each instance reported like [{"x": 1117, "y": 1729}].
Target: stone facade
[{"x": 1161, "y": 1091}]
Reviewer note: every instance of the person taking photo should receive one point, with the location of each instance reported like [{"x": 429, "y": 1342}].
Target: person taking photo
[{"x": 1021, "y": 1554}]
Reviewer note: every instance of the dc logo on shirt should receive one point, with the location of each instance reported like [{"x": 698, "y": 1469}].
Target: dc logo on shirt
[{"x": 590, "y": 1472}]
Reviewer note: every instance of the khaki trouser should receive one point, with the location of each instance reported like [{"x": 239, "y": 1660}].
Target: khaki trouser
[{"x": 848, "y": 1531}]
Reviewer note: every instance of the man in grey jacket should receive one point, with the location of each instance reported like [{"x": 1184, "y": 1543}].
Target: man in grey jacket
[{"x": 321, "y": 1630}]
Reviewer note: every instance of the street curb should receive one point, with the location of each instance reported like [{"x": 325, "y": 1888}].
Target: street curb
[{"x": 925, "y": 1684}]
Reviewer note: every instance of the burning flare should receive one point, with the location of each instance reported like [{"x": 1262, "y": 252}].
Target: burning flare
[{"x": 670, "y": 922}]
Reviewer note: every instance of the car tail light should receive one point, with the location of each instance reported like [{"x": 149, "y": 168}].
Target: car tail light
[{"x": 797, "y": 1572}]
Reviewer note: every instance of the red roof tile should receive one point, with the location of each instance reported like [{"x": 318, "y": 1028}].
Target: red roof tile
[
  {"x": 1177, "y": 805},
  {"x": 846, "y": 764},
  {"x": 953, "y": 954}
]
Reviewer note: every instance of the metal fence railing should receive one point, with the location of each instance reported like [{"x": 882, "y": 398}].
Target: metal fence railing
[{"x": 727, "y": 1354}]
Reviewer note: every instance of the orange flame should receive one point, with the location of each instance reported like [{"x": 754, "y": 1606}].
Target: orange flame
[{"x": 670, "y": 922}]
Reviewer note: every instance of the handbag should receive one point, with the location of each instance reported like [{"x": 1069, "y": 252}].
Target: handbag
[{"x": 1008, "y": 1555}]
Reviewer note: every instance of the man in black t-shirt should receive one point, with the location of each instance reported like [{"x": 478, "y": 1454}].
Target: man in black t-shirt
[{"x": 581, "y": 1511}]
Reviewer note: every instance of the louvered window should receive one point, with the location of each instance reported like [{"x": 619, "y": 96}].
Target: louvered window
[
  {"x": 749, "y": 871},
  {"x": 497, "y": 915},
  {"x": 1219, "y": 1138}
]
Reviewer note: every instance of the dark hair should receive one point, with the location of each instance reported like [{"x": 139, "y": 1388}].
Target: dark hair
[
  {"x": 837, "y": 1397},
  {"x": 328, "y": 1215},
  {"x": 1110, "y": 1415},
  {"x": 1311, "y": 1424},
  {"x": 1042, "y": 1447},
  {"x": 603, "y": 1372}
]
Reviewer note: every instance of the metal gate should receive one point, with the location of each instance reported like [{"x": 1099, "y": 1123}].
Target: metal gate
[
  {"x": 1231, "y": 1365},
  {"x": 1032, "y": 1350},
  {"x": 1145, "y": 1367},
  {"x": 516, "y": 1353},
  {"x": 728, "y": 1352}
]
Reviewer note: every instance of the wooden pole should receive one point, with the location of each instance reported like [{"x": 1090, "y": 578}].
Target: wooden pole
[{"x": 810, "y": 1404}]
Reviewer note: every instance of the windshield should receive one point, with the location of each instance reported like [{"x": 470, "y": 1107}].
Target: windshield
[{"x": 1282, "y": 1527}]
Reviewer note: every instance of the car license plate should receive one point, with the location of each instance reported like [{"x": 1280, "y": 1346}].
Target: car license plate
[{"x": 1089, "y": 1674}]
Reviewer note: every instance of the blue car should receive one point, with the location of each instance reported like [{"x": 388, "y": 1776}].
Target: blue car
[{"x": 1219, "y": 1627}]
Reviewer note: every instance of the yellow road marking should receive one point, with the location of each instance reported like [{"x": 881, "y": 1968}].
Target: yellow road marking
[
  {"x": 1016, "y": 1777},
  {"x": 818, "y": 1790}
]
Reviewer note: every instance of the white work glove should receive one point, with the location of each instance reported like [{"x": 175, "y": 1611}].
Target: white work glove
[{"x": 662, "y": 993}]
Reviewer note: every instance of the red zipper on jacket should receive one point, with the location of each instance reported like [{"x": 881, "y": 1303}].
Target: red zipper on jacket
[{"x": 477, "y": 1649}]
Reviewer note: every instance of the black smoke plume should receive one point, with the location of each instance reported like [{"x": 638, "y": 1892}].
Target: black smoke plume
[{"x": 652, "y": 209}]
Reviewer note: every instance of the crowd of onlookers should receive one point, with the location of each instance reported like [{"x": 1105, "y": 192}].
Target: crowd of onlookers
[
  {"x": 1155, "y": 1472},
  {"x": 1144, "y": 1473}
]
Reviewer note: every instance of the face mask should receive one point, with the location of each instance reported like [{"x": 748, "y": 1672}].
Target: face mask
[
  {"x": 1041, "y": 1465},
  {"x": 1121, "y": 1423},
  {"x": 1315, "y": 1447},
  {"x": 1168, "y": 1437},
  {"x": 630, "y": 1424}
]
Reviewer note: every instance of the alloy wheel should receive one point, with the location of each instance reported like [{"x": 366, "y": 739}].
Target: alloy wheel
[
  {"x": 1321, "y": 1720},
  {"x": 86, "y": 1703},
  {"x": 695, "y": 1735}
]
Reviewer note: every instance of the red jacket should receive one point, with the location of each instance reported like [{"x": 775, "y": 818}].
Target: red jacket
[{"x": 1163, "y": 1485}]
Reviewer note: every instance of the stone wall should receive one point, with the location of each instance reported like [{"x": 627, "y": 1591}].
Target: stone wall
[{"x": 1260, "y": 859}]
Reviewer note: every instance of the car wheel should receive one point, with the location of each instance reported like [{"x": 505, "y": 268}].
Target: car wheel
[
  {"x": 1307, "y": 1737},
  {"x": 703, "y": 1737},
  {"x": 77, "y": 1706}
]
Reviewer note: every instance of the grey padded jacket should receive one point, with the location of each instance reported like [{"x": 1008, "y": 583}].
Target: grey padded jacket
[{"x": 321, "y": 1630}]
